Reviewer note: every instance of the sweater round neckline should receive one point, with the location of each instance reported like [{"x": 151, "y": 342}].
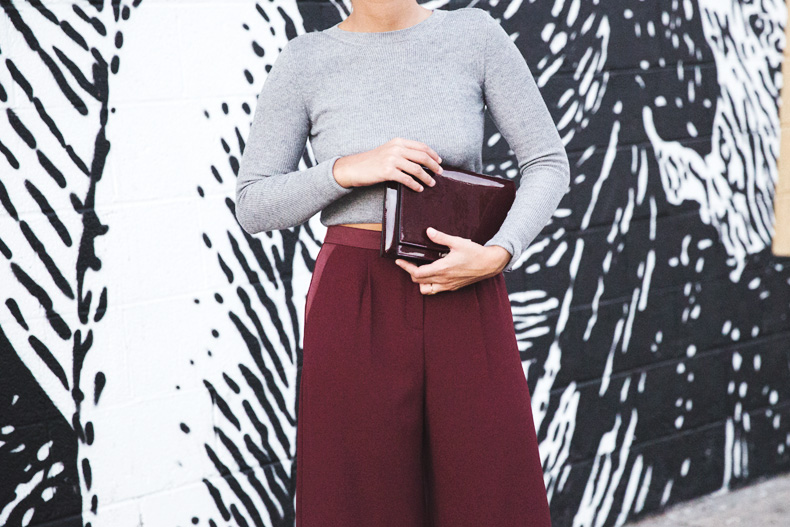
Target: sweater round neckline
[{"x": 388, "y": 36}]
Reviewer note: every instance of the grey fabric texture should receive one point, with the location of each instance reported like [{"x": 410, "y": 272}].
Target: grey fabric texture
[{"x": 348, "y": 92}]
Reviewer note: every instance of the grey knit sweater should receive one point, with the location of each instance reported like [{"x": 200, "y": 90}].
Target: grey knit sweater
[{"x": 349, "y": 92}]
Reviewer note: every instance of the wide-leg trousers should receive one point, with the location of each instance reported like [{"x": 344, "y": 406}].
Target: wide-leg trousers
[{"x": 414, "y": 410}]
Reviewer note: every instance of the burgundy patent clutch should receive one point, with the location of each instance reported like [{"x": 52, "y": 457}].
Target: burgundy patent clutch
[{"x": 462, "y": 203}]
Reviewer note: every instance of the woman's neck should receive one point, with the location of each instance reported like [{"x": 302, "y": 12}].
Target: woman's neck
[{"x": 377, "y": 17}]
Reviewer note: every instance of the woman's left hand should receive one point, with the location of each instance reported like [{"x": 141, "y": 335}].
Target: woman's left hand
[{"x": 466, "y": 263}]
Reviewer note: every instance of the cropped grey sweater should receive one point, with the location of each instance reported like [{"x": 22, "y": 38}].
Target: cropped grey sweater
[{"x": 349, "y": 92}]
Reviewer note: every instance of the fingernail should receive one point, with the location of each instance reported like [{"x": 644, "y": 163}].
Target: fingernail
[
  {"x": 431, "y": 230},
  {"x": 433, "y": 182},
  {"x": 421, "y": 187},
  {"x": 440, "y": 160}
]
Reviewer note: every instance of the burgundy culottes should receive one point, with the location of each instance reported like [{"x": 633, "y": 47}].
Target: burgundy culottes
[{"x": 414, "y": 410}]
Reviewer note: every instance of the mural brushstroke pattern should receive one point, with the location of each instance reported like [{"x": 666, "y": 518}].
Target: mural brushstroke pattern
[{"x": 53, "y": 292}]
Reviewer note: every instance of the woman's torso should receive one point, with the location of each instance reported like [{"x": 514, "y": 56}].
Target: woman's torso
[{"x": 423, "y": 84}]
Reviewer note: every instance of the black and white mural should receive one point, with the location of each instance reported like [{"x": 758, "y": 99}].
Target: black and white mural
[{"x": 150, "y": 349}]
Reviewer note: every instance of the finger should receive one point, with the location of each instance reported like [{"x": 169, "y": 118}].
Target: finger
[
  {"x": 420, "y": 273},
  {"x": 402, "y": 177},
  {"x": 426, "y": 289},
  {"x": 408, "y": 266},
  {"x": 419, "y": 145},
  {"x": 422, "y": 160},
  {"x": 429, "y": 272},
  {"x": 418, "y": 170},
  {"x": 443, "y": 238}
]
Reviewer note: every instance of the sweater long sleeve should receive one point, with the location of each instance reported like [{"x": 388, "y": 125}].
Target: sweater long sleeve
[
  {"x": 349, "y": 92},
  {"x": 519, "y": 112},
  {"x": 271, "y": 193}
]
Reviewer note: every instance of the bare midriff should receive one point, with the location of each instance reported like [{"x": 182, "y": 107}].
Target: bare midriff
[{"x": 368, "y": 226}]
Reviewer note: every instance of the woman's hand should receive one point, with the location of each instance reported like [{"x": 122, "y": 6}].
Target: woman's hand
[
  {"x": 466, "y": 263},
  {"x": 394, "y": 160}
]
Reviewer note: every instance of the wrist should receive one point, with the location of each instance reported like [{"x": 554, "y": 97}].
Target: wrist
[
  {"x": 339, "y": 172},
  {"x": 499, "y": 257}
]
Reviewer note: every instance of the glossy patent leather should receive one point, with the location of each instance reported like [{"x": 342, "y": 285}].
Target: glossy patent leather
[{"x": 462, "y": 203}]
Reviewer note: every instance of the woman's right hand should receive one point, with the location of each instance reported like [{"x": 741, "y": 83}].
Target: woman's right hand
[{"x": 392, "y": 161}]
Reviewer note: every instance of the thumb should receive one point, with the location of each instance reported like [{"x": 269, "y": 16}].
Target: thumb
[{"x": 441, "y": 237}]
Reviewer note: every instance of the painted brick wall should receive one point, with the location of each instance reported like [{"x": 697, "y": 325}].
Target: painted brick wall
[
  {"x": 149, "y": 348},
  {"x": 780, "y": 244}
]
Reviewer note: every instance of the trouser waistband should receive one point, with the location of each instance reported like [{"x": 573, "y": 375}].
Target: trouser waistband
[{"x": 353, "y": 236}]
